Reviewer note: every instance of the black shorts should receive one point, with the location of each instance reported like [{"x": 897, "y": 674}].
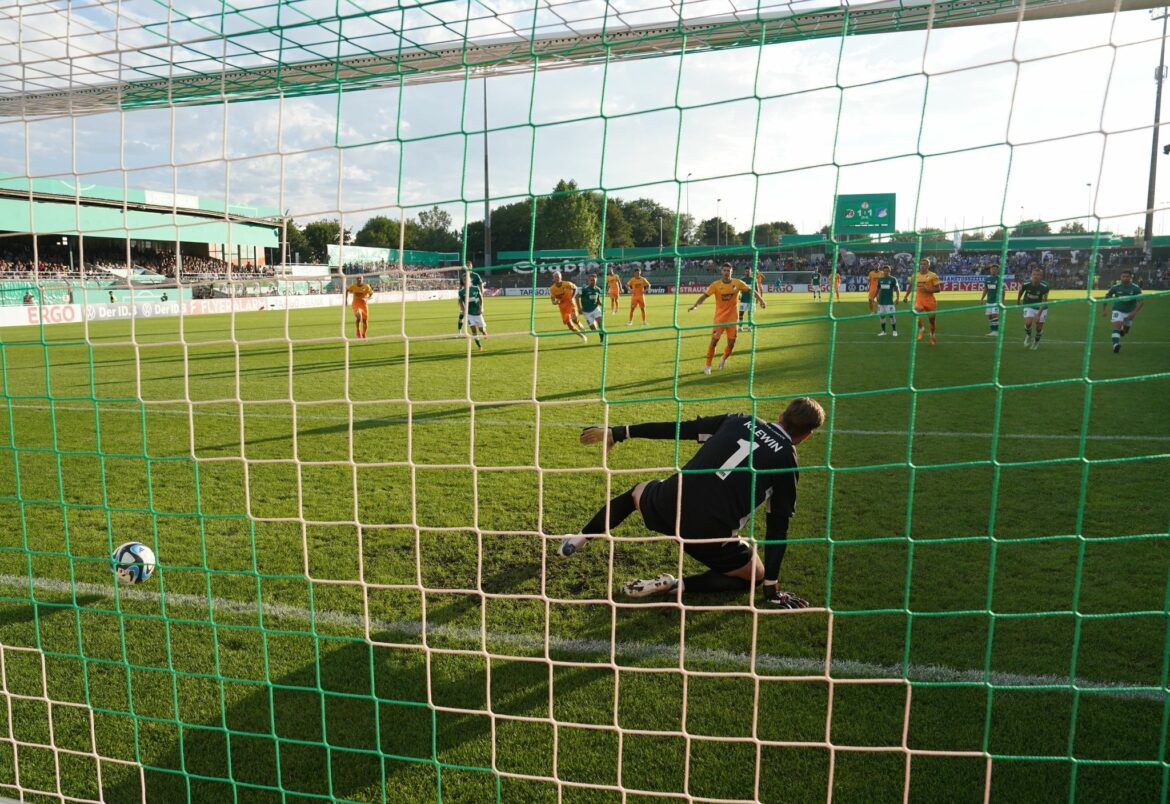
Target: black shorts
[{"x": 658, "y": 505}]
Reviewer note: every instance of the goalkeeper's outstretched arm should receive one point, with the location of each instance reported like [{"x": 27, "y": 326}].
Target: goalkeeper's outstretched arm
[{"x": 694, "y": 429}]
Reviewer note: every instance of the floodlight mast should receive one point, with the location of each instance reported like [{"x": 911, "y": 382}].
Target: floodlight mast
[
  {"x": 487, "y": 204},
  {"x": 1159, "y": 77}
]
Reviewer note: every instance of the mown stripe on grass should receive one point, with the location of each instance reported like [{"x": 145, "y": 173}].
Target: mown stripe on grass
[
  {"x": 707, "y": 657},
  {"x": 153, "y": 409}
]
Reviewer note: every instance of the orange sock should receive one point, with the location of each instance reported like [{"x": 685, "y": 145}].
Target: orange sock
[
  {"x": 710, "y": 353},
  {"x": 728, "y": 349},
  {"x": 932, "y": 325}
]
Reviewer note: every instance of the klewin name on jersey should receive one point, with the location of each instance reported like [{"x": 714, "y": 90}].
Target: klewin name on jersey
[{"x": 763, "y": 436}]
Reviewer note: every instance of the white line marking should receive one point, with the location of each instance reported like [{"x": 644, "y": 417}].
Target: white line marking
[
  {"x": 482, "y": 420},
  {"x": 1021, "y": 436},
  {"x": 1010, "y": 342},
  {"x": 841, "y": 668}
]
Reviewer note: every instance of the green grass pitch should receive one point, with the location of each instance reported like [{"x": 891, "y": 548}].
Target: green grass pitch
[{"x": 982, "y": 532}]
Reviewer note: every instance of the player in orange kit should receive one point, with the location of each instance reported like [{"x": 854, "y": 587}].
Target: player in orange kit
[
  {"x": 638, "y": 287},
  {"x": 564, "y": 296},
  {"x": 873, "y": 278},
  {"x": 361, "y": 312},
  {"x": 926, "y": 285},
  {"x": 614, "y": 283},
  {"x": 726, "y": 292}
]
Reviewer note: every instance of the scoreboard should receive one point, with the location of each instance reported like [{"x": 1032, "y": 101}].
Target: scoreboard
[{"x": 866, "y": 213}]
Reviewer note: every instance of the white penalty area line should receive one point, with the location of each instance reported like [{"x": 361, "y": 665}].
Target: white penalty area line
[
  {"x": 248, "y": 412},
  {"x": 732, "y": 661}
]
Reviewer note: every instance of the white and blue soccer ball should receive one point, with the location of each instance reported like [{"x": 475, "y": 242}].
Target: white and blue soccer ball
[{"x": 133, "y": 562}]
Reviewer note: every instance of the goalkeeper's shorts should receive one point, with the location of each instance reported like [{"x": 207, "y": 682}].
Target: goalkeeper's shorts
[{"x": 658, "y": 505}]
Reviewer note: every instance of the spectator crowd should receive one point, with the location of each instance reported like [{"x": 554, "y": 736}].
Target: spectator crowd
[
  {"x": 17, "y": 262},
  {"x": 1063, "y": 269}
]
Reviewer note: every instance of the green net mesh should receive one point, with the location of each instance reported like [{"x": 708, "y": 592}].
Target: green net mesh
[{"x": 358, "y": 596}]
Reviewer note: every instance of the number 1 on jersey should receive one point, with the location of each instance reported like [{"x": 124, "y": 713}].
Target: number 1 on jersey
[{"x": 737, "y": 457}]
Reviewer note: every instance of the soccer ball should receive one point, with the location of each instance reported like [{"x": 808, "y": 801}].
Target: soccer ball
[{"x": 133, "y": 562}]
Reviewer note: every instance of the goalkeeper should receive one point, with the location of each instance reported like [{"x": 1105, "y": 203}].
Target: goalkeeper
[{"x": 743, "y": 463}]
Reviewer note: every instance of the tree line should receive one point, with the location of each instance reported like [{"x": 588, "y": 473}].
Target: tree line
[
  {"x": 567, "y": 218},
  {"x": 932, "y": 234},
  {"x": 571, "y": 218}
]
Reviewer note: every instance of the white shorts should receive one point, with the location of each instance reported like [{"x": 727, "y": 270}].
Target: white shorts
[
  {"x": 886, "y": 309},
  {"x": 744, "y": 307},
  {"x": 1122, "y": 317},
  {"x": 1034, "y": 313},
  {"x": 992, "y": 310},
  {"x": 476, "y": 321},
  {"x": 593, "y": 317}
]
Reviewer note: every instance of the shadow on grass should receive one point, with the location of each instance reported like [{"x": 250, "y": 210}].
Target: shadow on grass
[
  {"x": 457, "y": 415},
  {"x": 301, "y": 367},
  {"x": 14, "y": 614},
  {"x": 348, "y": 727}
]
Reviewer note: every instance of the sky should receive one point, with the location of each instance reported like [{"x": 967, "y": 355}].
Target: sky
[{"x": 970, "y": 127}]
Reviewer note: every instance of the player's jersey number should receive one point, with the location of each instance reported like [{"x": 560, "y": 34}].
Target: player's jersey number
[{"x": 737, "y": 457}]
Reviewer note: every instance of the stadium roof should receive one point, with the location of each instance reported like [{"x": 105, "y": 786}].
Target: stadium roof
[
  {"x": 48, "y": 218},
  {"x": 70, "y": 207},
  {"x": 73, "y": 188},
  {"x": 545, "y": 254}
]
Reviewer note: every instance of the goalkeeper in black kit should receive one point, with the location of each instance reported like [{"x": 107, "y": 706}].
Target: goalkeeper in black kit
[{"x": 743, "y": 463}]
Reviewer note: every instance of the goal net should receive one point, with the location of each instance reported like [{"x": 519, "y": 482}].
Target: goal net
[{"x": 358, "y": 593}]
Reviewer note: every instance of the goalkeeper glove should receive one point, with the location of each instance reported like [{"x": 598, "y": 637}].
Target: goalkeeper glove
[
  {"x": 782, "y": 600},
  {"x": 595, "y": 435}
]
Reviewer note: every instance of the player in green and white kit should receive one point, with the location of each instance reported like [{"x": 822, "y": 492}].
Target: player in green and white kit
[
  {"x": 992, "y": 288},
  {"x": 590, "y": 306},
  {"x": 887, "y": 300},
  {"x": 1126, "y": 306},
  {"x": 747, "y": 300},
  {"x": 816, "y": 286},
  {"x": 1033, "y": 296},
  {"x": 468, "y": 276},
  {"x": 471, "y": 309}
]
